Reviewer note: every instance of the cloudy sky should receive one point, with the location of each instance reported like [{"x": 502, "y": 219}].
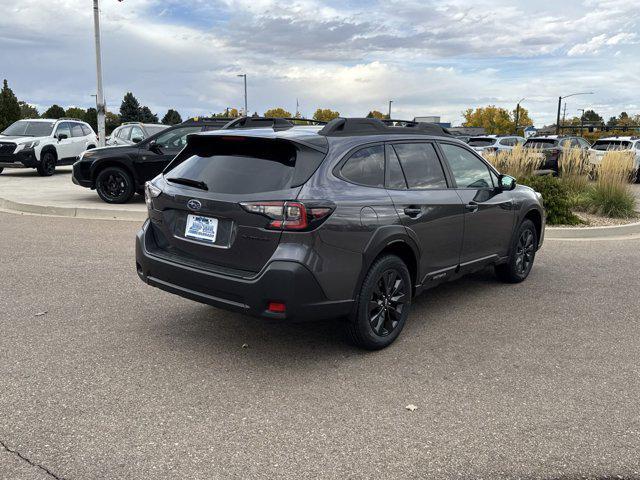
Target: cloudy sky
[{"x": 431, "y": 57}]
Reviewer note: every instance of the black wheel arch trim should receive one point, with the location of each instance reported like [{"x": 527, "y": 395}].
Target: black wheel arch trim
[
  {"x": 382, "y": 238},
  {"x": 99, "y": 165}
]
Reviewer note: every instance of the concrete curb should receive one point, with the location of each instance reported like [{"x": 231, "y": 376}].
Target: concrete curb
[
  {"x": 76, "y": 212},
  {"x": 570, "y": 233}
]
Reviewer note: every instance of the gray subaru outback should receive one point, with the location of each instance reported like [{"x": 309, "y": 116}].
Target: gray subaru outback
[{"x": 352, "y": 219}]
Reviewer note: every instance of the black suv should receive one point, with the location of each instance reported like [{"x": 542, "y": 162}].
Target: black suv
[
  {"x": 351, "y": 220},
  {"x": 552, "y": 147},
  {"x": 118, "y": 172}
]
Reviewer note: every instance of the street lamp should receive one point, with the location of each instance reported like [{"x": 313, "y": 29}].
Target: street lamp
[
  {"x": 518, "y": 113},
  {"x": 246, "y": 109},
  {"x": 560, "y": 106},
  {"x": 100, "y": 106},
  {"x": 390, "y": 102}
]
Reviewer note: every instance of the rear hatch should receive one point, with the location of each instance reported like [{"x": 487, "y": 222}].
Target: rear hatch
[
  {"x": 548, "y": 151},
  {"x": 199, "y": 216}
]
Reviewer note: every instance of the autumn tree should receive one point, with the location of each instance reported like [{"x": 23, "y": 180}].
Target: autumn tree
[
  {"x": 325, "y": 114},
  {"x": 495, "y": 120},
  {"x": 277, "y": 112},
  {"x": 111, "y": 121},
  {"x": 376, "y": 114}
]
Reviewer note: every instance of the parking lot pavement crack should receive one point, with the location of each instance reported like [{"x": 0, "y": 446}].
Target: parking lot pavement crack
[{"x": 29, "y": 461}]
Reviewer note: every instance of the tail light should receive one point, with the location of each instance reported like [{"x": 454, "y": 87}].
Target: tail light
[{"x": 291, "y": 215}]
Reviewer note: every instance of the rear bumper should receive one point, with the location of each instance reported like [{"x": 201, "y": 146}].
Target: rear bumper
[
  {"x": 289, "y": 282},
  {"x": 22, "y": 159}
]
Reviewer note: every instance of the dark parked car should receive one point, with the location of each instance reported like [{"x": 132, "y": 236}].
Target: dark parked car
[
  {"x": 118, "y": 172},
  {"x": 552, "y": 147},
  {"x": 130, "y": 133},
  {"x": 352, "y": 220}
]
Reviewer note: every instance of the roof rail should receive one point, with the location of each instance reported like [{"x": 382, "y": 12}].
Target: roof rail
[
  {"x": 71, "y": 118},
  {"x": 373, "y": 126},
  {"x": 276, "y": 123}
]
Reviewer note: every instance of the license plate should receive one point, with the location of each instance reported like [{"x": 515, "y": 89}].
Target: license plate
[{"x": 201, "y": 228}]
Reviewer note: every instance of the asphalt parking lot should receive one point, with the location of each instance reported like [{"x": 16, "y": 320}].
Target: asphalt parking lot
[{"x": 120, "y": 380}]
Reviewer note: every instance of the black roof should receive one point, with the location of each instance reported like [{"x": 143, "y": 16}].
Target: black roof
[{"x": 347, "y": 127}]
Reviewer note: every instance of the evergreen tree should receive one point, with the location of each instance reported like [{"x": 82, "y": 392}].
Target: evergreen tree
[
  {"x": 28, "y": 111},
  {"x": 172, "y": 117},
  {"x": 9, "y": 107},
  {"x": 146, "y": 116},
  {"x": 91, "y": 117},
  {"x": 54, "y": 111},
  {"x": 75, "y": 112},
  {"x": 129, "y": 109}
]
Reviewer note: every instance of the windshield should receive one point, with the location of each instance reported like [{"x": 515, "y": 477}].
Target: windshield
[
  {"x": 541, "y": 143},
  {"x": 23, "y": 128},
  {"x": 481, "y": 142},
  {"x": 153, "y": 129},
  {"x": 611, "y": 145}
]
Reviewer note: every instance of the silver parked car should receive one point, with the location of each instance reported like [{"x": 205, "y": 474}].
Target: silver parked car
[
  {"x": 133, "y": 132},
  {"x": 494, "y": 143}
]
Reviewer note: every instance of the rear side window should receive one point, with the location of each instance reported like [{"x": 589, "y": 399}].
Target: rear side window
[
  {"x": 481, "y": 142},
  {"x": 86, "y": 130},
  {"x": 541, "y": 143},
  {"x": 395, "y": 177},
  {"x": 468, "y": 170},
  {"x": 420, "y": 165},
  {"x": 365, "y": 167},
  {"x": 234, "y": 165}
]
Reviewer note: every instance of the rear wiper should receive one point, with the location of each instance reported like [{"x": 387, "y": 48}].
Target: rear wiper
[{"x": 189, "y": 182}]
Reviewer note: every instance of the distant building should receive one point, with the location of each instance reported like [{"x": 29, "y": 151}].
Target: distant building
[{"x": 432, "y": 119}]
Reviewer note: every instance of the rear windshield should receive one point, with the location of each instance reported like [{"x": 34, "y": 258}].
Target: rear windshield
[
  {"x": 481, "y": 142},
  {"x": 611, "y": 145},
  {"x": 249, "y": 166},
  {"x": 541, "y": 143},
  {"x": 29, "y": 129}
]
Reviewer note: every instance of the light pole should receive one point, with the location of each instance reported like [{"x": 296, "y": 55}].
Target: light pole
[
  {"x": 581, "y": 120},
  {"x": 560, "y": 107},
  {"x": 246, "y": 109},
  {"x": 100, "y": 107},
  {"x": 390, "y": 102},
  {"x": 518, "y": 113}
]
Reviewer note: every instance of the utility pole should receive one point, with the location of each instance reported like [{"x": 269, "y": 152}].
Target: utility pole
[
  {"x": 518, "y": 114},
  {"x": 246, "y": 108},
  {"x": 390, "y": 102},
  {"x": 581, "y": 120},
  {"x": 564, "y": 115},
  {"x": 100, "y": 106}
]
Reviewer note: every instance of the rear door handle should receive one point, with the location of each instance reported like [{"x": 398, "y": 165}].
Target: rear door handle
[
  {"x": 412, "y": 212},
  {"x": 471, "y": 207}
]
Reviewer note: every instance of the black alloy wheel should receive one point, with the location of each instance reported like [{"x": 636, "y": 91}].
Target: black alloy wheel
[
  {"x": 386, "y": 303},
  {"x": 523, "y": 254},
  {"x": 383, "y": 304},
  {"x": 47, "y": 165},
  {"x": 115, "y": 185}
]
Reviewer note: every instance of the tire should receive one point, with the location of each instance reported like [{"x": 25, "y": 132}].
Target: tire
[
  {"x": 1, "y": 169},
  {"x": 47, "y": 165},
  {"x": 383, "y": 304},
  {"x": 115, "y": 185},
  {"x": 523, "y": 254}
]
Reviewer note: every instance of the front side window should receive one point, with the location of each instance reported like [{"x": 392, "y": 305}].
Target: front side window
[
  {"x": 420, "y": 165},
  {"x": 63, "y": 129},
  {"x": 136, "y": 132},
  {"x": 365, "y": 167},
  {"x": 175, "y": 139},
  {"x": 637, "y": 145},
  {"x": 468, "y": 170}
]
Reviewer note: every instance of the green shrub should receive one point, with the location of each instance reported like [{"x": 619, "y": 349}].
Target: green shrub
[
  {"x": 610, "y": 196},
  {"x": 556, "y": 197}
]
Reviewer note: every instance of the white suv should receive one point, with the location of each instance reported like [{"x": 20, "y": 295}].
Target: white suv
[
  {"x": 493, "y": 143},
  {"x": 602, "y": 146},
  {"x": 45, "y": 143}
]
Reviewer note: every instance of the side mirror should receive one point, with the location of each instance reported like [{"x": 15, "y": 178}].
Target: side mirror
[
  {"x": 62, "y": 136},
  {"x": 136, "y": 139},
  {"x": 506, "y": 183}
]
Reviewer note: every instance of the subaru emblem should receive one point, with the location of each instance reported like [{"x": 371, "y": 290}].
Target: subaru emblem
[{"x": 194, "y": 204}]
